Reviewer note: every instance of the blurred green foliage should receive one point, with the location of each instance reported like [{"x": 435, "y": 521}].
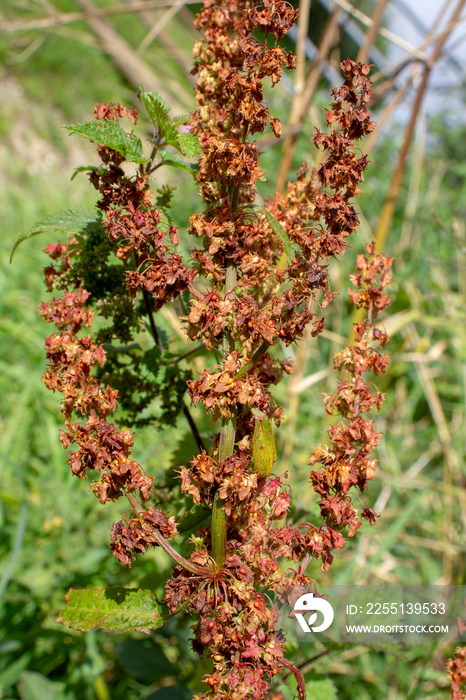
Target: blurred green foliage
[{"x": 55, "y": 534}]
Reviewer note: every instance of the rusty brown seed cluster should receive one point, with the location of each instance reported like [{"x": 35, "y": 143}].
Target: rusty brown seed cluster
[
  {"x": 102, "y": 446},
  {"x": 244, "y": 300},
  {"x": 457, "y": 672}
]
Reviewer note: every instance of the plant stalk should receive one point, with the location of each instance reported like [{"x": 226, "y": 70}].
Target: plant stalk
[
  {"x": 166, "y": 546},
  {"x": 159, "y": 343},
  {"x": 225, "y": 448},
  {"x": 303, "y": 99}
]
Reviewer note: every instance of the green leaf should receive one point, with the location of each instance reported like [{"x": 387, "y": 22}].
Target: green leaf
[
  {"x": 172, "y": 136},
  {"x": 157, "y": 109},
  {"x": 176, "y": 162},
  {"x": 321, "y": 690},
  {"x": 181, "y": 119},
  {"x": 113, "y": 609},
  {"x": 35, "y": 686},
  {"x": 278, "y": 230},
  {"x": 167, "y": 128},
  {"x": 121, "y": 349},
  {"x": 70, "y": 221},
  {"x": 10, "y": 674},
  {"x": 111, "y": 134},
  {"x": 188, "y": 145},
  {"x": 264, "y": 452}
]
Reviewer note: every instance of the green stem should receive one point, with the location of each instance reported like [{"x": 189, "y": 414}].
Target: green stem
[
  {"x": 225, "y": 448},
  {"x": 158, "y": 341},
  {"x": 230, "y": 284},
  {"x": 188, "y": 354},
  {"x": 193, "y": 426},
  {"x": 234, "y": 197},
  {"x": 226, "y": 445},
  {"x": 219, "y": 531},
  {"x": 150, "y": 315}
]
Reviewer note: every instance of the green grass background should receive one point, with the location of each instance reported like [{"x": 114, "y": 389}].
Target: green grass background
[{"x": 54, "y": 534}]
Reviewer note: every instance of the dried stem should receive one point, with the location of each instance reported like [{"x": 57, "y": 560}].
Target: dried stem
[
  {"x": 166, "y": 546},
  {"x": 59, "y": 19},
  {"x": 388, "y": 208},
  {"x": 301, "y": 683},
  {"x": 153, "y": 327},
  {"x": 302, "y": 103},
  {"x": 371, "y": 35}
]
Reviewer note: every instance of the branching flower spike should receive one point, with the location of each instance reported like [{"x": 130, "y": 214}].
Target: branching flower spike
[{"x": 253, "y": 280}]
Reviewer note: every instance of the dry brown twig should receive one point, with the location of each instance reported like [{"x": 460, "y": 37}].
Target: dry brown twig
[
  {"x": 388, "y": 208},
  {"x": 303, "y": 99},
  {"x": 125, "y": 58},
  {"x": 57, "y": 18}
]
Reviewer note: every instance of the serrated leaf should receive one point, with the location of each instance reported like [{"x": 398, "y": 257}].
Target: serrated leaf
[
  {"x": 113, "y": 609},
  {"x": 176, "y": 162},
  {"x": 189, "y": 145},
  {"x": 167, "y": 128},
  {"x": 279, "y": 231},
  {"x": 157, "y": 109},
  {"x": 70, "y": 221},
  {"x": 109, "y": 133},
  {"x": 181, "y": 119},
  {"x": 172, "y": 136}
]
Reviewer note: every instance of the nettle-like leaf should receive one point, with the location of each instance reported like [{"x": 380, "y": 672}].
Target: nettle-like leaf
[
  {"x": 188, "y": 145},
  {"x": 70, "y": 221},
  {"x": 157, "y": 109},
  {"x": 181, "y": 119},
  {"x": 109, "y": 133},
  {"x": 167, "y": 128},
  {"x": 113, "y": 609}
]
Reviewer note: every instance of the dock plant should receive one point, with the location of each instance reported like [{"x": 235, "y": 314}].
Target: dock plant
[{"x": 247, "y": 279}]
